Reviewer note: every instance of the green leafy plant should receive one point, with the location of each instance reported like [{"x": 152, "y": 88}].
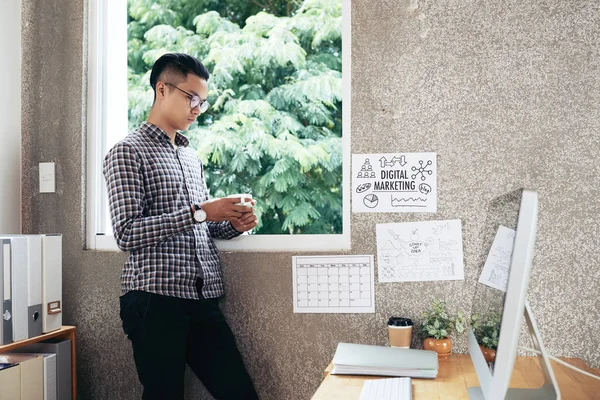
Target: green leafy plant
[
  {"x": 275, "y": 125},
  {"x": 439, "y": 323},
  {"x": 487, "y": 329}
]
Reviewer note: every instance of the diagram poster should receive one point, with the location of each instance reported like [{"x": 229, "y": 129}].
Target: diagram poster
[
  {"x": 394, "y": 182},
  {"x": 420, "y": 251},
  {"x": 497, "y": 266}
]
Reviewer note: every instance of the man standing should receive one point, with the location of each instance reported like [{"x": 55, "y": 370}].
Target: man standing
[{"x": 161, "y": 214}]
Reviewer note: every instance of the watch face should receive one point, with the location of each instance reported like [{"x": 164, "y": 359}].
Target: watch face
[{"x": 200, "y": 215}]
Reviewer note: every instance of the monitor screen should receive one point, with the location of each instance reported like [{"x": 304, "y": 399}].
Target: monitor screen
[
  {"x": 494, "y": 260},
  {"x": 500, "y": 300}
]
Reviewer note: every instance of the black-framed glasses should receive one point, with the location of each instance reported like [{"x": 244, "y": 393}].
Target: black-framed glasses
[{"x": 195, "y": 100}]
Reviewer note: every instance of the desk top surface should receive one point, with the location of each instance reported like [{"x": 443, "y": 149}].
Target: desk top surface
[{"x": 456, "y": 374}]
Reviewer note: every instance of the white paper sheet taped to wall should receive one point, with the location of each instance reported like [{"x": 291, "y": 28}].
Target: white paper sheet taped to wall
[
  {"x": 497, "y": 265},
  {"x": 420, "y": 251},
  {"x": 333, "y": 284},
  {"x": 394, "y": 182}
]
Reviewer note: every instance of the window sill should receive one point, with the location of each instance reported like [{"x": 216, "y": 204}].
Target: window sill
[{"x": 259, "y": 243}]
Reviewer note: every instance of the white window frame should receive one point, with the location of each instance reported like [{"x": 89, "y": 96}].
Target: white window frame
[{"x": 101, "y": 114}]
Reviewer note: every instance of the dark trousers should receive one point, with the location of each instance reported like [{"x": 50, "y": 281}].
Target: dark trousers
[{"x": 168, "y": 332}]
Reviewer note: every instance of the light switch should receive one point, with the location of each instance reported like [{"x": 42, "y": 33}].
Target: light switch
[{"x": 47, "y": 181}]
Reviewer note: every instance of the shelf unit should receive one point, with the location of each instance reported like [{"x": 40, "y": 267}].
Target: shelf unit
[{"x": 67, "y": 333}]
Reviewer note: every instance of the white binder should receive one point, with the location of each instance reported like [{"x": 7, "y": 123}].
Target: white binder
[
  {"x": 50, "y": 387},
  {"x": 34, "y": 284},
  {"x": 32, "y": 374},
  {"x": 51, "y": 282},
  {"x": 50, "y": 384},
  {"x": 62, "y": 349},
  {"x": 19, "y": 286},
  {"x": 10, "y": 382},
  {"x": 34, "y": 279},
  {"x": 5, "y": 293}
]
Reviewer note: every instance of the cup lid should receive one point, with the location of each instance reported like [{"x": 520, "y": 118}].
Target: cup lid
[{"x": 399, "y": 321}]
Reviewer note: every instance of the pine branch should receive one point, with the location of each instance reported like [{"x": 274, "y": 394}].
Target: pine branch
[
  {"x": 272, "y": 8},
  {"x": 263, "y": 6}
]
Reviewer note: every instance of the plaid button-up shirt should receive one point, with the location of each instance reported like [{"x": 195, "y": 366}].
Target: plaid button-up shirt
[{"x": 151, "y": 189}]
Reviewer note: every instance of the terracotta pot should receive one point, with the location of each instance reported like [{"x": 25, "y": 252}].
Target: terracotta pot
[
  {"x": 488, "y": 354},
  {"x": 443, "y": 346}
]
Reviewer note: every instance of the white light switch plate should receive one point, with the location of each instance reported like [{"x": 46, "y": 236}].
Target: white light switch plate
[{"x": 47, "y": 181}]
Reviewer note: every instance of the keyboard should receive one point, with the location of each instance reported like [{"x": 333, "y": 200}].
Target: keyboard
[{"x": 387, "y": 389}]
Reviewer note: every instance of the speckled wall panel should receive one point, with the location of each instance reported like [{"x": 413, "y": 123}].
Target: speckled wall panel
[{"x": 506, "y": 93}]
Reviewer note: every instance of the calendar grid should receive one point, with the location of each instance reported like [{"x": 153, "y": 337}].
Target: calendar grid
[{"x": 333, "y": 284}]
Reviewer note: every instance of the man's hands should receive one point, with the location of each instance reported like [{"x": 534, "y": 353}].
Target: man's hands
[
  {"x": 223, "y": 209},
  {"x": 242, "y": 218},
  {"x": 246, "y": 222}
]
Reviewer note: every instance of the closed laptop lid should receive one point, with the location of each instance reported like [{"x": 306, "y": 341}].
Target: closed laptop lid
[{"x": 362, "y": 355}]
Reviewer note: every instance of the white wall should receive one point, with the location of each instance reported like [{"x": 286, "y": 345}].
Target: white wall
[{"x": 10, "y": 117}]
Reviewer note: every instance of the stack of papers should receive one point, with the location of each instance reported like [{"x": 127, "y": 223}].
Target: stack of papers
[
  {"x": 361, "y": 359},
  {"x": 387, "y": 389}
]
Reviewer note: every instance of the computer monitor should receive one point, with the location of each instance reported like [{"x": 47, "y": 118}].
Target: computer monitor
[{"x": 516, "y": 212}]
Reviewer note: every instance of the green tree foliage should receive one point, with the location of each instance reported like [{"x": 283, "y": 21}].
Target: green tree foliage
[{"x": 275, "y": 125}]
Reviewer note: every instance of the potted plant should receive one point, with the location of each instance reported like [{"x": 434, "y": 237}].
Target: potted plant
[
  {"x": 487, "y": 332},
  {"x": 438, "y": 325}
]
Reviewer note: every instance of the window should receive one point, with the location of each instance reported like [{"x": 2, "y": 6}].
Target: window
[{"x": 277, "y": 127}]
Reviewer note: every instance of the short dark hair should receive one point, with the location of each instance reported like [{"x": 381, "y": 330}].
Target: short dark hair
[{"x": 179, "y": 65}]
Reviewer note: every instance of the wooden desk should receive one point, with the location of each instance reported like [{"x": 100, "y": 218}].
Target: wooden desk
[
  {"x": 456, "y": 374},
  {"x": 67, "y": 333}
]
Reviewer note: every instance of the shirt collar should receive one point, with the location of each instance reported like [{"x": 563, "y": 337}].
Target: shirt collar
[{"x": 160, "y": 135}]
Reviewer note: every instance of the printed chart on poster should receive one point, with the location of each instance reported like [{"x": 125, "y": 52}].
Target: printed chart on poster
[
  {"x": 394, "y": 182},
  {"x": 497, "y": 265},
  {"x": 420, "y": 251},
  {"x": 333, "y": 284}
]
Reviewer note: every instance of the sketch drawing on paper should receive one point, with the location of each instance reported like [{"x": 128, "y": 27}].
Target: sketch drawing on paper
[
  {"x": 366, "y": 171},
  {"x": 363, "y": 187},
  {"x": 409, "y": 181},
  {"x": 371, "y": 200},
  {"x": 400, "y": 160},
  {"x": 496, "y": 279},
  {"x": 497, "y": 265},
  {"x": 451, "y": 244},
  {"x": 424, "y": 188},
  {"x": 422, "y": 170},
  {"x": 438, "y": 228},
  {"x": 408, "y": 202},
  {"x": 509, "y": 234},
  {"x": 388, "y": 273},
  {"x": 390, "y": 254},
  {"x": 420, "y": 251}
]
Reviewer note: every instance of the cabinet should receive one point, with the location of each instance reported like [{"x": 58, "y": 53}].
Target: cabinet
[{"x": 67, "y": 333}]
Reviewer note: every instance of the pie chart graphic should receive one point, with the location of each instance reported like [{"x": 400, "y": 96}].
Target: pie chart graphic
[{"x": 371, "y": 200}]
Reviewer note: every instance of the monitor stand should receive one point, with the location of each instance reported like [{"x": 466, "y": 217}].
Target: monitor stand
[{"x": 549, "y": 390}]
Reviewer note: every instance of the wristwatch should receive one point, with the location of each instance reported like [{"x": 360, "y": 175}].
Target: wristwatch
[{"x": 199, "y": 213}]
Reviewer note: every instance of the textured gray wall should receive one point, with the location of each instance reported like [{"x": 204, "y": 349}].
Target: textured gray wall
[{"x": 507, "y": 94}]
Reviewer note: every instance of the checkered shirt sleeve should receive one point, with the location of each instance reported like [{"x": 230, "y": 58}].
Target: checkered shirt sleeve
[{"x": 151, "y": 188}]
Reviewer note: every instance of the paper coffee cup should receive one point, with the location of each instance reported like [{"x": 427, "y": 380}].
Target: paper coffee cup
[
  {"x": 400, "y": 332},
  {"x": 246, "y": 199}
]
